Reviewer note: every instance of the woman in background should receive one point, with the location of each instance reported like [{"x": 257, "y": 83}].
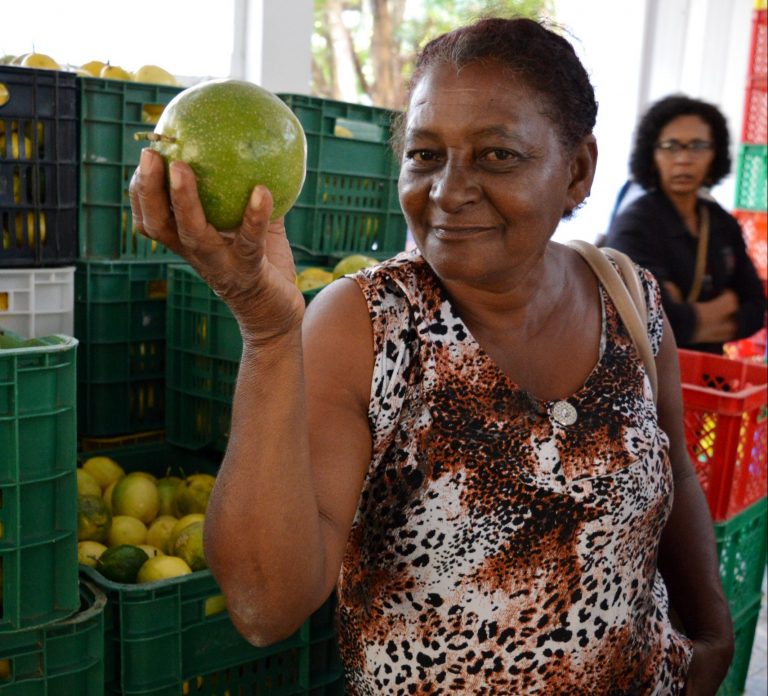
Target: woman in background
[{"x": 681, "y": 145}]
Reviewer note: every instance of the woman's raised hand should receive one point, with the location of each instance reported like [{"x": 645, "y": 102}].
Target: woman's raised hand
[{"x": 250, "y": 268}]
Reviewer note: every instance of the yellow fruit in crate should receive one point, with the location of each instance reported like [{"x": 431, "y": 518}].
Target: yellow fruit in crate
[
  {"x": 104, "y": 469},
  {"x": 126, "y": 530},
  {"x": 136, "y": 495},
  {"x": 150, "y": 113},
  {"x": 15, "y": 149},
  {"x": 93, "y": 518},
  {"x": 114, "y": 72},
  {"x": 88, "y": 552},
  {"x": 313, "y": 278},
  {"x": 192, "y": 494},
  {"x": 146, "y": 475},
  {"x": 32, "y": 223},
  {"x": 353, "y": 263},
  {"x": 162, "y": 567},
  {"x": 154, "y": 74},
  {"x": 166, "y": 489},
  {"x": 93, "y": 67},
  {"x": 151, "y": 551},
  {"x": 86, "y": 484},
  {"x": 180, "y": 525},
  {"x": 108, "y": 494},
  {"x": 39, "y": 60},
  {"x": 5, "y": 669},
  {"x": 189, "y": 546},
  {"x": 160, "y": 530}
]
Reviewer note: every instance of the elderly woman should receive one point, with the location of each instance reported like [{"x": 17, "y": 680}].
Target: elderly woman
[
  {"x": 461, "y": 440},
  {"x": 709, "y": 287}
]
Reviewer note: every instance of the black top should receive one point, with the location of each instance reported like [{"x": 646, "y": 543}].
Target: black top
[{"x": 652, "y": 232}]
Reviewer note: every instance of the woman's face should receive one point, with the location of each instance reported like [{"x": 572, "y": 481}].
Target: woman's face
[
  {"x": 484, "y": 178},
  {"x": 683, "y": 155}
]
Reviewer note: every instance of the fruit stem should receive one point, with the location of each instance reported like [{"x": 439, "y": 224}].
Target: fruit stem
[{"x": 154, "y": 137}]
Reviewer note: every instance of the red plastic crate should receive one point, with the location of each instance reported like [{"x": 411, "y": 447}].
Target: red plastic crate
[
  {"x": 754, "y": 228},
  {"x": 754, "y": 129},
  {"x": 752, "y": 348},
  {"x": 724, "y": 403},
  {"x": 758, "y": 49}
]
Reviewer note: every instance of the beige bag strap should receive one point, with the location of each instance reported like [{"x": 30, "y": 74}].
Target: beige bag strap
[
  {"x": 701, "y": 256},
  {"x": 626, "y": 291}
]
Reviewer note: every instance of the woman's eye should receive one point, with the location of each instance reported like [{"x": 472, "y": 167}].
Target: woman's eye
[
  {"x": 500, "y": 155},
  {"x": 421, "y": 155}
]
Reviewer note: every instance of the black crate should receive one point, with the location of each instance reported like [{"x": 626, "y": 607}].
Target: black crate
[{"x": 38, "y": 167}]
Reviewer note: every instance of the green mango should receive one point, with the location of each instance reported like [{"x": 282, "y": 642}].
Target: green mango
[{"x": 234, "y": 135}]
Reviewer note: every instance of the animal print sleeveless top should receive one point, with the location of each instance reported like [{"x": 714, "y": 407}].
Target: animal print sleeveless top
[{"x": 504, "y": 545}]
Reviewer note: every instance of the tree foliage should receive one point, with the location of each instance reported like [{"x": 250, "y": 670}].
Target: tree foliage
[{"x": 363, "y": 50}]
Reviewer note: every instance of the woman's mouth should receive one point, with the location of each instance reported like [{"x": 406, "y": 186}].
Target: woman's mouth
[{"x": 458, "y": 232}]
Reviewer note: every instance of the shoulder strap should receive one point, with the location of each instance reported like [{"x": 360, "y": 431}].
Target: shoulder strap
[{"x": 626, "y": 291}]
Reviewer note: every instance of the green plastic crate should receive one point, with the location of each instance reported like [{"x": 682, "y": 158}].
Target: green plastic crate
[
  {"x": 120, "y": 323},
  {"x": 64, "y": 657},
  {"x": 752, "y": 178},
  {"x": 349, "y": 202},
  {"x": 110, "y": 114},
  {"x": 38, "y": 512},
  {"x": 203, "y": 356},
  {"x": 741, "y": 544},
  {"x": 744, "y": 625},
  {"x": 325, "y": 668},
  {"x": 174, "y": 636},
  {"x": 159, "y": 637}
]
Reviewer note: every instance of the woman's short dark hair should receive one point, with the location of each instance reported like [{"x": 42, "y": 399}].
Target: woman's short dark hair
[
  {"x": 641, "y": 161},
  {"x": 541, "y": 57}
]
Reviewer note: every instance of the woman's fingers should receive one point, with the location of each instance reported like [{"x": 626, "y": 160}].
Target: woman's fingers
[
  {"x": 195, "y": 233},
  {"x": 150, "y": 203}
]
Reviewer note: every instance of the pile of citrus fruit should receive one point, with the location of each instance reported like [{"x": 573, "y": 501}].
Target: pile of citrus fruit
[{"x": 135, "y": 527}]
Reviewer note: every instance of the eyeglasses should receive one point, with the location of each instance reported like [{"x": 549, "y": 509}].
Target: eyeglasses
[{"x": 673, "y": 147}]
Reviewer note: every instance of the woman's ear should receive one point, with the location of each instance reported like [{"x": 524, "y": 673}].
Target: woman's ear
[{"x": 582, "y": 169}]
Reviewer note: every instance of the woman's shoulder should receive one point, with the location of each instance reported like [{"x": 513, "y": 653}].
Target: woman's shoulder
[{"x": 405, "y": 275}]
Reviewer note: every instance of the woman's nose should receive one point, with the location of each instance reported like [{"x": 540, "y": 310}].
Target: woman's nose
[{"x": 454, "y": 185}]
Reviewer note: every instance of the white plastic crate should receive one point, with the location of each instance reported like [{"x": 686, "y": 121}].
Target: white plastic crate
[{"x": 37, "y": 302}]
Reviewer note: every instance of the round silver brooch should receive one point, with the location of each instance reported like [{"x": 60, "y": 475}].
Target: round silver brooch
[{"x": 564, "y": 413}]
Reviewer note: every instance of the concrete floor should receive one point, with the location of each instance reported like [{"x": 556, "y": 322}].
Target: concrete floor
[{"x": 757, "y": 677}]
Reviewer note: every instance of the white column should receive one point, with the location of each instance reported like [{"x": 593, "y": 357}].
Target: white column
[{"x": 273, "y": 44}]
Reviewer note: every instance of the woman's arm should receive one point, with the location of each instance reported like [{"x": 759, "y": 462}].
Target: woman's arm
[
  {"x": 688, "y": 558},
  {"x": 299, "y": 442}
]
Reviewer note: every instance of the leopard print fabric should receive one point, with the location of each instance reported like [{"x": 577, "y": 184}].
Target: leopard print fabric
[{"x": 496, "y": 550}]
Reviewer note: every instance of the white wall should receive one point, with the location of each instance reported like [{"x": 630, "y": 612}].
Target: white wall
[
  {"x": 273, "y": 44},
  {"x": 638, "y": 51}
]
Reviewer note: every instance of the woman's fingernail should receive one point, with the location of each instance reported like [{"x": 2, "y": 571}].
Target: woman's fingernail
[
  {"x": 256, "y": 198},
  {"x": 145, "y": 162},
  {"x": 174, "y": 176}
]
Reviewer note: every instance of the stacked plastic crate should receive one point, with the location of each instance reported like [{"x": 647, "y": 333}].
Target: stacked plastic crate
[
  {"x": 752, "y": 173},
  {"x": 38, "y": 201},
  {"x": 348, "y": 205},
  {"x": 725, "y": 398},
  {"x": 121, "y": 277},
  {"x": 51, "y": 624}
]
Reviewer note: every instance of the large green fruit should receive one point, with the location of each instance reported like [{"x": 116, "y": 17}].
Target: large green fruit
[{"x": 234, "y": 135}]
